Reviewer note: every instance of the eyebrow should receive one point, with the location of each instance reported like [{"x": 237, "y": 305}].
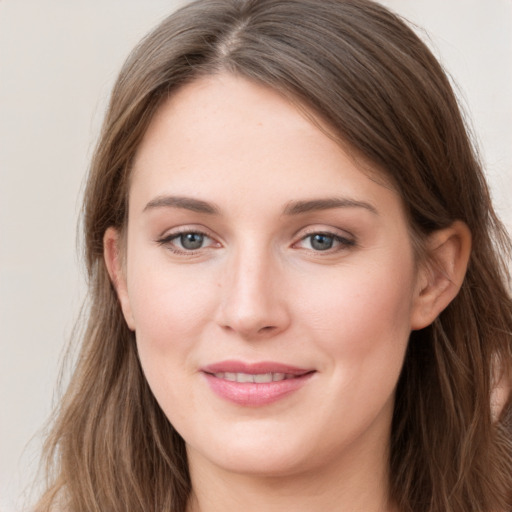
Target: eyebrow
[
  {"x": 292, "y": 208},
  {"x": 298, "y": 207},
  {"x": 186, "y": 203}
]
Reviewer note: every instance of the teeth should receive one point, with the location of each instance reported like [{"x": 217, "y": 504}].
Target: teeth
[
  {"x": 249, "y": 377},
  {"x": 263, "y": 377}
]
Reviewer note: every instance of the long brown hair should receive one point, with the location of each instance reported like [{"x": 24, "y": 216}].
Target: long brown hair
[{"x": 366, "y": 73}]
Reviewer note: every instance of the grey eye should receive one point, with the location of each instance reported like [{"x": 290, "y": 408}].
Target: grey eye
[
  {"x": 191, "y": 241},
  {"x": 320, "y": 242}
]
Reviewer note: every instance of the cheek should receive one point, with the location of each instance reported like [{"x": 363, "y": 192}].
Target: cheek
[
  {"x": 361, "y": 323},
  {"x": 361, "y": 316},
  {"x": 170, "y": 308}
]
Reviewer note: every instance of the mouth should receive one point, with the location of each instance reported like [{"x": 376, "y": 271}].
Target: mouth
[
  {"x": 255, "y": 384},
  {"x": 259, "y": 378}
]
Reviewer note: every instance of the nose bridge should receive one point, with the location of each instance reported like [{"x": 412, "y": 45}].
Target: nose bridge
[
  {"x": 252, "y": 274},
  {"x": 253, "y": 303}
]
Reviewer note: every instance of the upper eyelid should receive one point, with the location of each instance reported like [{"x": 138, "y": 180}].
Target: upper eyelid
[
  {"x": 179, "y": 230},
  {"x": 339, "y": 238},
  {"x": 329, "y": 230}
]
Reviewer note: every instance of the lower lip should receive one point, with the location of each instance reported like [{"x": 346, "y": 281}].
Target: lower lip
[{"x": 252, "y": 394}]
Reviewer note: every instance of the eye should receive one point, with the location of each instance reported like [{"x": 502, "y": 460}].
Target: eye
[
  {"x": 320, "y": 242},
  {"x": 191, "y": 241},
  {"x": 187, "y": 241}
]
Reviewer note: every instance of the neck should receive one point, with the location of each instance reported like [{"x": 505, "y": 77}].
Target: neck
[{"x": 358, "y": 485}]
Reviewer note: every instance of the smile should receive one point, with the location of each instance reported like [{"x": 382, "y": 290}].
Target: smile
[
  {"x": 249, "y": 377},
  {"x": 257, "y": 384}
]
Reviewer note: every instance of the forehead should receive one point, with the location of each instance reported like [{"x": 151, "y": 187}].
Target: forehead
[
  {"x": 224, "y": 134},
  {"x": 203, "y": 113}
]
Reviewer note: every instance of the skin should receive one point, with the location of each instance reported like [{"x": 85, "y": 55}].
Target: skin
[{"x": 258, "y": 289}]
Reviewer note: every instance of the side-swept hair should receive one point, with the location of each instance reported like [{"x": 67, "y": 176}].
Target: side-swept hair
[{"x": 370, "y": 78}]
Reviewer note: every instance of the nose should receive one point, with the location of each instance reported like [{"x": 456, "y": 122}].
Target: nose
[{"x": 253, "y": 300}]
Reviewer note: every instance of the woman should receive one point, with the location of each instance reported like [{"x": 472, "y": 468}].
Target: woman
[{"x": 298, "y": 283}]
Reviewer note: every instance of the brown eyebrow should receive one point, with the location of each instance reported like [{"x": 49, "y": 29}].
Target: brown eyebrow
[
  {"x": 298, "y": 207},
  {"x": 186, "y": 203},
  {"x": 292, "y": 208}
]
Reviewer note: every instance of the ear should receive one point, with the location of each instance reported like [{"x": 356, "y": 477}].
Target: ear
[
  {"x": 441, "y": 276},
  {"x": 112, "y": 252}
]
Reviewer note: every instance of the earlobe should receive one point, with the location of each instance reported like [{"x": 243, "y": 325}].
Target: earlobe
[
  {"x": 112, "y": 252},
  {"x": 441, "y": 277}
]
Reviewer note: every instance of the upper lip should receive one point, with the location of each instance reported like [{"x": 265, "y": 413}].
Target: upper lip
[{"x": 254, "y": 368}]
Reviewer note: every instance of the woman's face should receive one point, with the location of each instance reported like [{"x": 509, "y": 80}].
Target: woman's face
[{"x": 270, "y": 282}]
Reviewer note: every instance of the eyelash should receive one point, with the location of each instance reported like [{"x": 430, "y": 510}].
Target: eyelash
[
  {"x": 343, "y": 243},
  {"x": 168, "y": 241}
]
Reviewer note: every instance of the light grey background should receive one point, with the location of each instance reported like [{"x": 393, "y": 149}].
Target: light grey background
[{"x": 58, "y": 60}]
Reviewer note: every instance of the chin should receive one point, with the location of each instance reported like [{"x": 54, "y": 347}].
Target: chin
[{"x": 265, "y": 456}]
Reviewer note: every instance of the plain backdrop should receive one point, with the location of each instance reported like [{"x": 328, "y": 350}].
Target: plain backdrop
[{"x": 58, "y": 61}]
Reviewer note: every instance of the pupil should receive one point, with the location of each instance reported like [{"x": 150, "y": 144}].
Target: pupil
[
  {"x": 321, "y": 242},
  {"x": 191, "y": 240}
]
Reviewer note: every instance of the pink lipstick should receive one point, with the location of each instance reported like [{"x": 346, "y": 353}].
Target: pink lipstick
[{"x": 254, "y": 384}]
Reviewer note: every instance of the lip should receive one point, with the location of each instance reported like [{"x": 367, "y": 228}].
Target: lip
[
  {"x": 254, "y": 368},
  {"x": 254, "y": 394}
]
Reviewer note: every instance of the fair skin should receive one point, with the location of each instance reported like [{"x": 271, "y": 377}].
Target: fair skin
[{"x": 254, "y": 241}]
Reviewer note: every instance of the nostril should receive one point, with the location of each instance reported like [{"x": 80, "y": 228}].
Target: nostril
[{"x": 267, "y": 329}]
